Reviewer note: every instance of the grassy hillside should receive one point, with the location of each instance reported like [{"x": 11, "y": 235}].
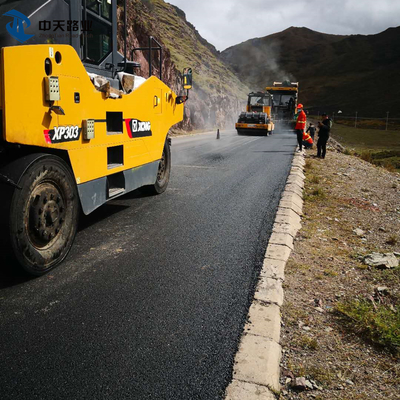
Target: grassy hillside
[
  {"x": 348, "y": 73},
  {"x": 376, "y": 146},
  {"x": 218, "y": 95},
  {"x": 363, "y": 139},
  {"x": 188, "y": 48}
]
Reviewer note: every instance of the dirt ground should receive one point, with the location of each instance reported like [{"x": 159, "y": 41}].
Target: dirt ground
[{"x": 351, "y": 209}]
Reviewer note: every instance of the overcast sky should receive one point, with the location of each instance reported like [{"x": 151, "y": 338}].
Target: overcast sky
[{"x": 225, "y": 23}]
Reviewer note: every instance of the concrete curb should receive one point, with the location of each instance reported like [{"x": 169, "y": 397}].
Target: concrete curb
[{"x": 256, "y": 369}]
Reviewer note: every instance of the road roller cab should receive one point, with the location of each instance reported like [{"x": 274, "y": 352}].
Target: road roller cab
[{"x": 257, "y": 117}]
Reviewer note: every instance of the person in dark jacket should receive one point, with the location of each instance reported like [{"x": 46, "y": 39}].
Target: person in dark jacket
[
  {"x": 323, "y": 135},
  {"x": 311, "y": 130}
]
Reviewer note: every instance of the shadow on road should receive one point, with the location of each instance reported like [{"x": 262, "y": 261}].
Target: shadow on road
[
  {"x": 103, "y": 212},
  {"x": 11, "y": 274}
]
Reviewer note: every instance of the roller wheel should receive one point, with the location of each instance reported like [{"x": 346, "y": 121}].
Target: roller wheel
[
  {"x": 44, "y": 215},
  {"x": 163, "y": 173}
]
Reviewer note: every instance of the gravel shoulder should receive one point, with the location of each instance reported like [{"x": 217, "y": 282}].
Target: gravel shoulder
[{"x": 351, "y": 209}]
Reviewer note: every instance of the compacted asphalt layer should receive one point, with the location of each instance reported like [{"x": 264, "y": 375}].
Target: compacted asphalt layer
[{"x": 153, "y": 297}]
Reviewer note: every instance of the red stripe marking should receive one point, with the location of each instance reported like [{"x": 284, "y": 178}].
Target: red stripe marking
[
  {"x": 128, "y": 127},
  {"x": 47, "y": 136}
]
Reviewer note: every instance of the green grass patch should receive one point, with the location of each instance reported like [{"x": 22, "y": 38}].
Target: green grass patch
[
  {"x": 318, "y": 192},
  {"x": 366, "y": 139},
  {"x": 308, "y": 343},
  {"x": 314, "y": 179},
  {"x": 330, "y": 272},
  {"x": 376, "y": 146},
  {"x": 348, "y": 152},
  {"x": 315, "y": 194},
  {"x": 322, "y": 374},
  {"x": 378, "y": 323},
  {"x": 379, "y": 124},
  {"x": 309, "y": 165}
]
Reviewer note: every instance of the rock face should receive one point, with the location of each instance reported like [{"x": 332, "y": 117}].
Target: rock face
[
  {"x": 218, "y": 96},
  {"x": 378, "y": 260}
]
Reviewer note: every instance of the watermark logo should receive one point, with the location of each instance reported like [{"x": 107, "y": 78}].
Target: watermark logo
[{"x": 16, "y": 30}]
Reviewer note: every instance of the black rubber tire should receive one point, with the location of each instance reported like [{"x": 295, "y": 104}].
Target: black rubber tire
[
  {"x": 163, "y": 174},
  {"x": 44, "y": 215}
]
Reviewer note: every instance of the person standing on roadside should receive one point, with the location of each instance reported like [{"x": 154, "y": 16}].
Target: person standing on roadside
[
  {"x": 323, "y": 135},
  {"x": 300, "y": 126}
]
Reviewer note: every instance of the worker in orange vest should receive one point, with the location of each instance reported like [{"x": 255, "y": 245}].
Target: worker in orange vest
[
  {"x": 300, "y": 125},
  {"x": 307, "y": 140}
]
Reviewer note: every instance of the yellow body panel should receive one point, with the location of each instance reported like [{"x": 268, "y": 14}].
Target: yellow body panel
[
  {"x": 268, "y": 127},
  {"x": 272, "y": 89},
  {"x": 27, "y": 117},
  {"x": 266, "y": 109}
]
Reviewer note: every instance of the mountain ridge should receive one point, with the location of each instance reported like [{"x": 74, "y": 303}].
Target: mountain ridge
[{"x": 334, "y": 72}]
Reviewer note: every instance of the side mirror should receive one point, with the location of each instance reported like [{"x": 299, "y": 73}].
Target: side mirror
[
  {"x": 187, "y": 84},
  {"x": 187, "y": 78}
]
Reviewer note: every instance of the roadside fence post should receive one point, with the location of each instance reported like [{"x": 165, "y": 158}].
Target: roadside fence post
[
  {"x": 217, "y": 133},
  {"x": 387, "y": 120}
]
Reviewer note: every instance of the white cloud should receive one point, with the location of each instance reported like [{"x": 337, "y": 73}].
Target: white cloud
[{"x": 225, "y": 23}]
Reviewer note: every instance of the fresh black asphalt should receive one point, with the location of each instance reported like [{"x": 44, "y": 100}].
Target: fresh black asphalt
[{"x": 153, "y": 297}]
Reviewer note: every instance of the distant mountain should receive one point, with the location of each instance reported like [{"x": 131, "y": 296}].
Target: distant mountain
[{"x": 335, "y": 72}]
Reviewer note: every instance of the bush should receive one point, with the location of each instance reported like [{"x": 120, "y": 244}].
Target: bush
[
  {"x": 366, "y": 156},
  {"x": 378, "y": 323},
  {"x": 318, "y": 192}
]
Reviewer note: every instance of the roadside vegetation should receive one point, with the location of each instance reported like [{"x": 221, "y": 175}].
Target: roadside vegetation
[
  {"x": 372, "y": 144},
  {"x": 341, "y": 332},
  {"x": 379, "y": 323}
]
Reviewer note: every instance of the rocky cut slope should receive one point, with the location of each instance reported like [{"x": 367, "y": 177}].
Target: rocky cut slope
[
  {"x": 217, "y": 96},
  {"x": 347, "y": 73}
]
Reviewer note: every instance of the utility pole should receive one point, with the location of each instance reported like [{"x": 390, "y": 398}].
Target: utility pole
[
  {"x": 387, "y": 120},
  {"x": 355, "y": 122}
]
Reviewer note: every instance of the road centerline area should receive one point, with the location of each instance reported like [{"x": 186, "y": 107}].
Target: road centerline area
[{"x": 194, "y": 166}]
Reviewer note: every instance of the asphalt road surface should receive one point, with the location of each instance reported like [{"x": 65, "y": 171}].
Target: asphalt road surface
[{"x": 153, "y": 297}]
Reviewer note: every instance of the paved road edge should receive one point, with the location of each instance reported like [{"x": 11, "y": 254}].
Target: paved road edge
[{"x": 256, "y": 369}]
